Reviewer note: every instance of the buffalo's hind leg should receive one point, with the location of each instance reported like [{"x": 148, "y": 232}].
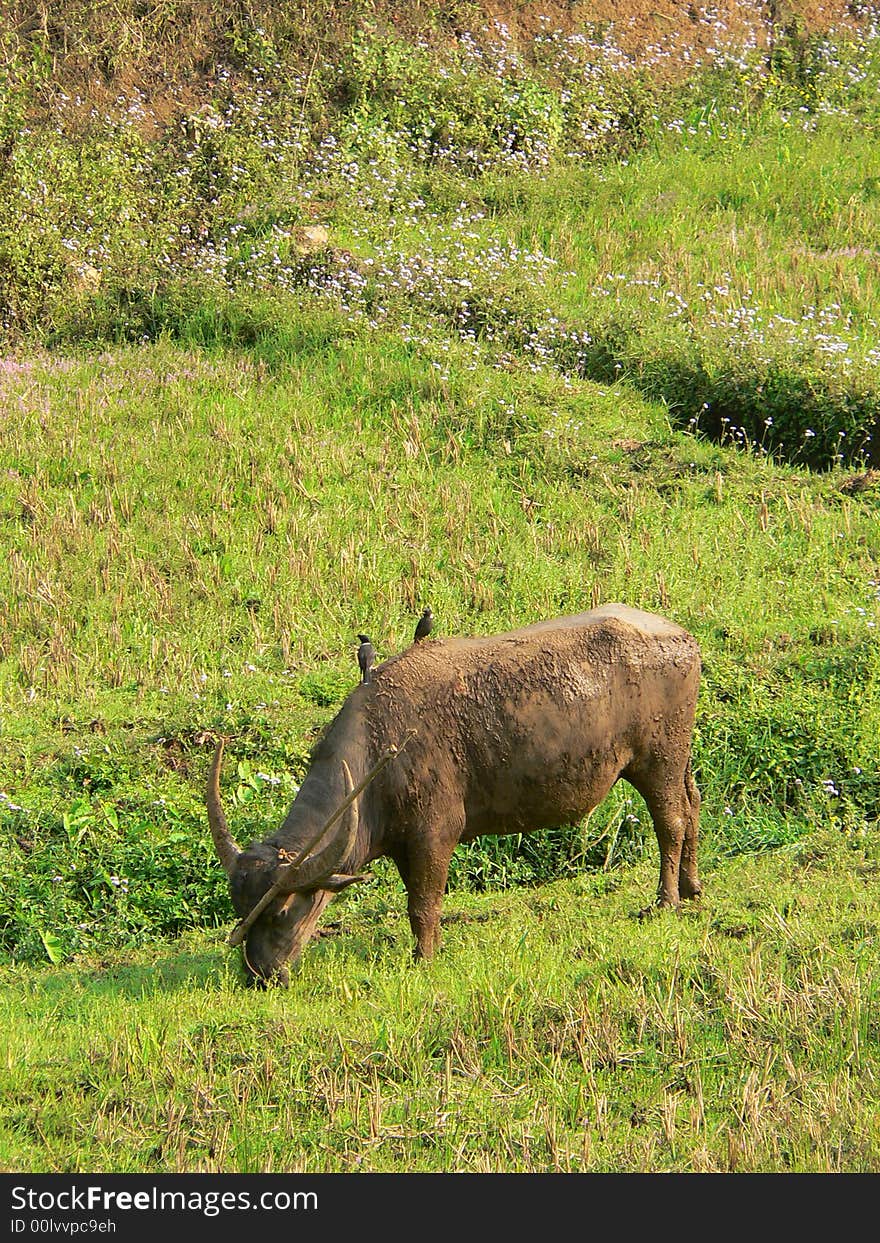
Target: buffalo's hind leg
[
  {"x": 675, "y": 807},
  {"x": 688, "y": 880}
]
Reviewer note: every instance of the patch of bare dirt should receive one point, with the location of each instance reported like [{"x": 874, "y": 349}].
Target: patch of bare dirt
[
  {"x": 673, "y": 34},
  {"x": 167, "y": 60}
]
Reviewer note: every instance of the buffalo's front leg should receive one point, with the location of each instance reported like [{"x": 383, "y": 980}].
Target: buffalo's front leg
[{"x": 427, "y": 868}]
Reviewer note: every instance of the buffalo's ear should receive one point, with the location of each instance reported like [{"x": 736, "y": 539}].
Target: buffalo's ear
[{"x": 337, "y": 882}]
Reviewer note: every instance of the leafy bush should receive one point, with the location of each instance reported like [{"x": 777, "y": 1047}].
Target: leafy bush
[
  {"x": 118, "y": 865},
  {"x": 771, "y": 387}
]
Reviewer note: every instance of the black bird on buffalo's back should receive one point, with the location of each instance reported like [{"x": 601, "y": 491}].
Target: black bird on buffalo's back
[
  {"x": 366, "y": 656},
  {"x": 425, "y": 623}
]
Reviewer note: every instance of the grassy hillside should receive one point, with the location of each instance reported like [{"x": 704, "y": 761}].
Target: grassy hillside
[{"x": 511, "y": 322}]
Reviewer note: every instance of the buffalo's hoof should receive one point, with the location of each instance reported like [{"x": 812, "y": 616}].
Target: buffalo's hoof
[{"x": 652, "y": 911}]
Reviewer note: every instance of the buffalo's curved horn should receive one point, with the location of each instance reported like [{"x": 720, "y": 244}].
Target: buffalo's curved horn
[
  {"x": 315, "y": 868},
  {"x": 224, "y": 842}
]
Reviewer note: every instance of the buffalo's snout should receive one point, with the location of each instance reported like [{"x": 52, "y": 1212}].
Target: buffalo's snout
[
  {"x": 265, "y": 965},
  {"x": 280, "y": 978},
  {"x": 277, "y": 939}
]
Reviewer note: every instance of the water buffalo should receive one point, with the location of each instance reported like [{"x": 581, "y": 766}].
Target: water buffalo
[{"x": 501, "y": 734}]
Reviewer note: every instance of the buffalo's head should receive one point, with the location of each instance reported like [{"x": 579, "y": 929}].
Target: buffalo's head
[{"x": 280, "y": 897}]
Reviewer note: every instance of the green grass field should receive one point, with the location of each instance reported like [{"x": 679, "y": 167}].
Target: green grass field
[
  {"x": 554, "y": 1032},
  {"x": 623, "y": 346}
]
